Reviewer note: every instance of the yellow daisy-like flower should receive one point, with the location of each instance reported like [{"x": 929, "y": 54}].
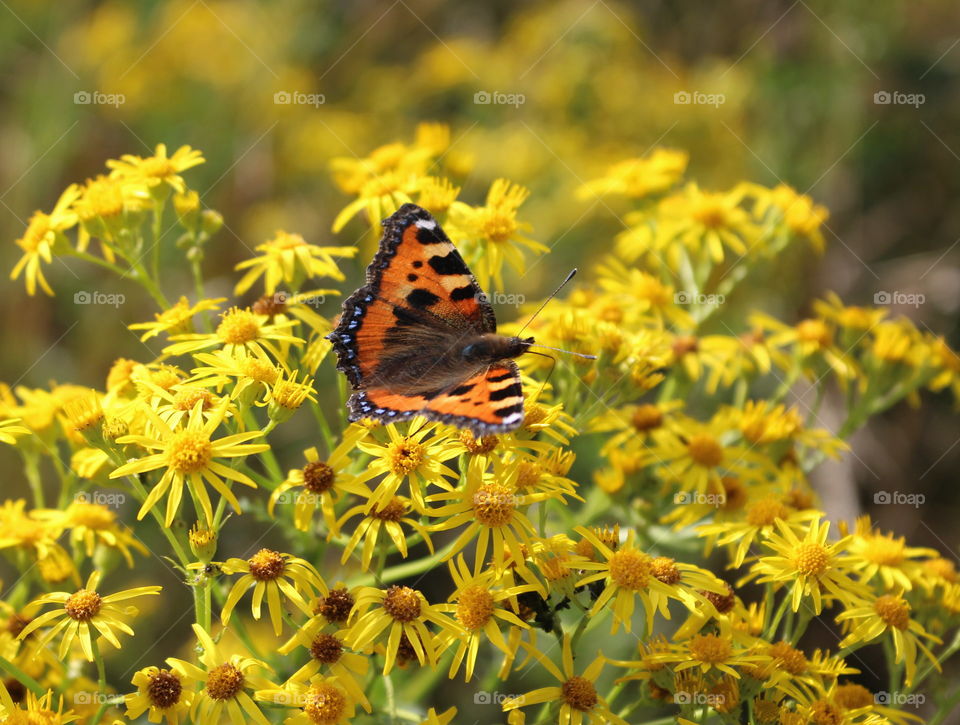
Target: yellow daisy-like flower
[
  {"x": 189, "y": 456},
  {"x": 323, "y": 484},
  {"x": 436, "y": 194},
  {"x": 10, "y": 429},
  {"x": 253, "y": 375},
  {"x": 93, "y": 524},
  {"x": 707, "y": 652},
  {"x": 289, "y": 258},
  {"x": 706, "y": 222},
  {"x": 322, "y": 701},
  {"x": 227, "y": 680},
  {"x": 277, "y": 576},
  {"x": 157, "y": 169},
  {"x": 492, "y": 232},
  {"x": 493, "y": 516},
  {"x": 416, "y": 456},
  {"x": 45, "y": 232},
  {"x": 577, "y": 694},
  {"x": 166, "y": 695},
  {"x": 887, "y": 557},
  {"x": 890, "y": 614},
  {"x": 328, "y": 652},
  {"x": 640, "y": 177},
  {"x": 809, "y": 565},
  {"x": 479, "y": 608},
  {"x": 398, "y": 611},
  {"x": 628, "y": 573},
  {"x": 800, "y": 213},
  {"x": 177, "y": 319},
  {"x": 386, "y": 518},
  {"x": 33, "y": 710},
  {"x": 240, "y": 330},
  {"x": 82, "y": 614}
]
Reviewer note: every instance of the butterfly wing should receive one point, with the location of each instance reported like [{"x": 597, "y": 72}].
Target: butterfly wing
[
  {"x": 418, "y": 292},
  {"x": 489, "y": 402}
]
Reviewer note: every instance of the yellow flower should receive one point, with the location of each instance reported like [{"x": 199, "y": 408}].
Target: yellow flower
[
  {"x": 492, "y": 514},
  {"x": 177, "y": 319},
  {"x": 809, "y": 565},
  {"x": 886, "y": 557},
  {"x": 324, "y": 482},
  {"x": 44, "y": 235},
  {"x": 167, "y": 695},
  {"x": 436, "y": 194},
  {"x": 327, "y": 651},
  {"x": 416, "y": 456},
  {"x": 394, "y": 612},
  {"x": 275, "y": 575},
  {"x": 253, "y": 374},
  {"x": 189, "y": 455},
  {"x": 577, "y": 694},
  {"x": 388, "y": 518},
  {"x": 288, "y": 394},
  {"x": 890, "y": 614},
  {"x": 479, "y": 607},
  {"x": 240, "y": 330},
  {"x": 324, "y": 701},
  {"x": 639, "y": 177},
  {"x": 491, "y": 235},
  {"x": 706, "y": 222},
  {"x": 91, "y": 524},
  {"x": 288, "y": 258},
  {"x": 799, "y": 212},
  {"x": 9, "y": 430},
  {"x": 709, "y": 651},
  {"x": 157, "y": 169},
  {"x": 102, "y": 210},
  {"x": 33, "y": 710},
  {"x": 226, "y": 681},
  {"x": 82, "y": 611}
]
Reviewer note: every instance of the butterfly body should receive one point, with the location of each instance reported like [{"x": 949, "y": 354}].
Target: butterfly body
[{"x": 419, "y": 338}]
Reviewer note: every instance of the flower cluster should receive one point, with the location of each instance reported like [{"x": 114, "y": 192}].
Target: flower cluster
[{"x": 660, "y": 490}]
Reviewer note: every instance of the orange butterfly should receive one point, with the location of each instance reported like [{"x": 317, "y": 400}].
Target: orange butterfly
[{"x": 420, "y": 337}]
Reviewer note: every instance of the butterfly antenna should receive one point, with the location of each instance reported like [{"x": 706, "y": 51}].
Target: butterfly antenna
[
  {"x": 568, "y": 352},
  {"x": 553, "y": 366},
  {"x": 540, "y": 309}
]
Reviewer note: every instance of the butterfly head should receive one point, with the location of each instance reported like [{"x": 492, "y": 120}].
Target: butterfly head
[{"x": 490, "y": 348}]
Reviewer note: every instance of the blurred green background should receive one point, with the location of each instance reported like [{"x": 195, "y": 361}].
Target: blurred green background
[{"x": 800, "y": 83}]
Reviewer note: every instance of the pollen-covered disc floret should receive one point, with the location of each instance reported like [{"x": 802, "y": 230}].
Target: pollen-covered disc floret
[
  {"x": 189, "y": 451},
  {"x": 267, "y": 565},
  {"x": 811, "y": 558},
  {"x": 494, "y": 504},
  {"x": 405, "y": 456},
  {"x": 402, "y": 603},
  {"x": 475, "y": 607},
  {"x": 630, "y": 569},
  {"x": 318, "y": 477},
  {"x": 83, "y": 605},
  {"x": 224, "y": 682},
  {"x": 164, "y": 689},
  {"x": 326, "y": 648},
  {"x": 324, "y": 704},
  {"x": 579, "y": 693},
  {"x": 893, "y": 610}
]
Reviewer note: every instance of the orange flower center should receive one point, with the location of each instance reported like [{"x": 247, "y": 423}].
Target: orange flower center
[
  {"x": 326, "y": 648},
  {"x": 705, "y": 450},
  {"x": 579, "y": 693},
  {"x": 267, "y": 565},
  {"x": 83, "y": 605},
  {"x": 402, "y": 603},
  {"x": 710, "y": 648},
  {"x": 405, "y": 456},
  {"x": 474, "y": 607},
  {"x": 189, "y": 451},
  {"x": 224, "y": 682},
  {"x": 238, "y": 327},
  {"x": 630, "y": 569},
  {"x": 494, "y": 505},
  {"x": 325, "y": 704},
  {"x": 766, "y": 511},
  {"x": 811, "y": 558},
  {"x": 893, "y": 610},
  {"x": 318, "y": 477}
]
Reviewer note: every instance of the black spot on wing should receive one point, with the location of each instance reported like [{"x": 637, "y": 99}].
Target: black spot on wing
[
  {"x": 418, "y": 264},
  {"x": 461, "y": 389},
  {"x": 500, "y": 378},
  {"x": 451, "y": 263},
  {"x": 463, "y": 293},
  {"x": 404, "y": 317},
  {"x": 508, "y": 410},
  {"x": 430, "y": 236},
  {"x": 422, "y": 298},
  {"x": 511, "y": 391},
  {"x": 412, "y": 277}
]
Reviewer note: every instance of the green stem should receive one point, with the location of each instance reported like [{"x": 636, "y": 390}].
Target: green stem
[
  {"x": 101, "y": 681},
  {"x": 32, "y": 469},
  {"x": 22, "y": 677}
]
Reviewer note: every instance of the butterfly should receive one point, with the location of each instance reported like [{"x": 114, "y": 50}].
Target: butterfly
[{"x": 420, "y": 337}]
